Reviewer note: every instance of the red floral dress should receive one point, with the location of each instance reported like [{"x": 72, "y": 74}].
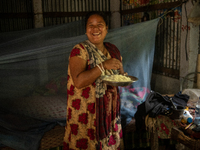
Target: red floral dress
[{"x": 93, "y": 119}]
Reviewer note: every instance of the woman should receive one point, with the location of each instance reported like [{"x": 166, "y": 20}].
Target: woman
[{"x": 93, "y": 108}]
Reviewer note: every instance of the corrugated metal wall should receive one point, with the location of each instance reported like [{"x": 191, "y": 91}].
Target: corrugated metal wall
[
  {"x": 62, "y": 11},
  {"x": 167, "y": 51},
  {"x": 18, "y": 15},
  {"x": 15, "y": 15}
]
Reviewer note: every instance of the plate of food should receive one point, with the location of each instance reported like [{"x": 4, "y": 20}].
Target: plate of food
[{"x": 118, "y": 80}]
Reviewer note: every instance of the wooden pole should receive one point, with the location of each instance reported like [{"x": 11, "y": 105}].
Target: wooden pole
[
  {"x": 38, "y": 14},
  {"x": 198, "y": 62},
  {"x": 198, "y": 70}
]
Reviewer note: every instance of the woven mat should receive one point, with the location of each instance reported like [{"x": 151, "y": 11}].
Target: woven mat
[{"x": 53, "y": 138}]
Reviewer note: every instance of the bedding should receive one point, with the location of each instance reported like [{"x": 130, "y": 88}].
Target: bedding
[
  {"x": 24, "y": 121},
  {"x": 47, "y": 108},
  {"x": 46, "y": 103}
]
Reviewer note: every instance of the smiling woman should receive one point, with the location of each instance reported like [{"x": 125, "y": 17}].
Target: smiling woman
[
  {"x": 96, "y": 30},
  {"x": 93, "y": 108}
]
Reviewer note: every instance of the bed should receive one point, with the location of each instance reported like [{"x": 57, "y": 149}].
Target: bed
[{"x": 36, "y": 121}]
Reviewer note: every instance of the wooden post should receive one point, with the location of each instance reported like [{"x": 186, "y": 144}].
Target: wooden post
[
  {"x": 198, "y": 70},
  {"x": 38, "y": 14},
  {"x": 115, "y": 14}
]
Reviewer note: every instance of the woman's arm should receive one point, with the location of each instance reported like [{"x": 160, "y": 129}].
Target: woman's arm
[
  {"x": 80, "y": 75},
  {"x": 83, "y": 77}
]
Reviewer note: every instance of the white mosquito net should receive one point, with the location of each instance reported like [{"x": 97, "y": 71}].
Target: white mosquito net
[{"x": 33, "y": 75}]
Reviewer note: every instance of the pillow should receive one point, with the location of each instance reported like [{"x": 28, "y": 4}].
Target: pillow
[
  {"x": 48, "y": 108},
  {"x": 53, "y": 87}
]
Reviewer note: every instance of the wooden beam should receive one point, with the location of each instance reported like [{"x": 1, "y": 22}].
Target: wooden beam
[
  {"x": 15, "y": 15},
  {"x": 151, "y": 7},
  {"x": 63, "y": 14},
  {"x": 47, "y": 14},
  {"x": 68, "y": 14}
]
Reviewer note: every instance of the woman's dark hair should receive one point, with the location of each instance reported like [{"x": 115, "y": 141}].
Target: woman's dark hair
[{"x": 100, "y": 13}]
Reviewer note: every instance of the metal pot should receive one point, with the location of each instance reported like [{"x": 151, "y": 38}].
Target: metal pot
[{"x": 177, "y": 112}]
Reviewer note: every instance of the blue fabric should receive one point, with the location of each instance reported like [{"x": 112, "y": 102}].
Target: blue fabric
[{"x": 21, "y": 132}]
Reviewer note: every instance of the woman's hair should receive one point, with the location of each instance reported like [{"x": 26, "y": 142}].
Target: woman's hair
[{"x": 100, "y": 13}]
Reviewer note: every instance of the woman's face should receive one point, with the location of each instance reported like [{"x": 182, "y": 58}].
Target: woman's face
[{"x": 96, "y": 29}]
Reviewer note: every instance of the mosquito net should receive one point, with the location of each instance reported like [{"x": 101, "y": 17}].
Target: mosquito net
[{"x": 33, "y": 75}]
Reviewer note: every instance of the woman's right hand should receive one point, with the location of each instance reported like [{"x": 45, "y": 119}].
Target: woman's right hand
[{"x": 112, "y": 63}]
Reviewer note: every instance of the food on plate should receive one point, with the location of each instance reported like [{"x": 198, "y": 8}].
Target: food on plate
[{"x": 117, "y": 78}]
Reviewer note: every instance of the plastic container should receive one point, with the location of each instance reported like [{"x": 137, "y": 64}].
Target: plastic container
[
  {"x": 194, "y": 95},
  {"x": 187, "y": 117}
]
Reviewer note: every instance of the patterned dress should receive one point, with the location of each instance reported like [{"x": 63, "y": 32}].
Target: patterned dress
[{"x": 93, "y": 113}]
